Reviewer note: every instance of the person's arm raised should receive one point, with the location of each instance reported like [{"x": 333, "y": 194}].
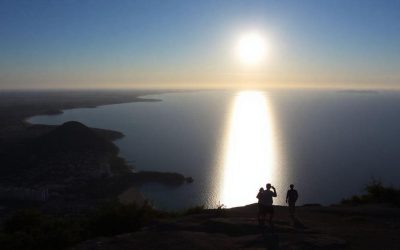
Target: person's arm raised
[{"x": 275, "y": 194}]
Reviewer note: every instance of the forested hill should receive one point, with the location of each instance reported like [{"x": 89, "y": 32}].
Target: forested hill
[{"x": 71, "y": 150}]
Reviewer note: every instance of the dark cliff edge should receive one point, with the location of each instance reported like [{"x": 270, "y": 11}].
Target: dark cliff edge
[{"x": 116, "y": 226}]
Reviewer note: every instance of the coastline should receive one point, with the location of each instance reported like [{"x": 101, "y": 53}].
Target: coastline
[
  {"x": 61, "y": 111},
  {"x": 18, "y": 127},
  {"x": 14, "y": 126},
  {"x": 327, "y": 227}
]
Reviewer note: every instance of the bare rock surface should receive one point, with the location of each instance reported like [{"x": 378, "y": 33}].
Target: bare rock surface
[{"x": 235, "y": 229}]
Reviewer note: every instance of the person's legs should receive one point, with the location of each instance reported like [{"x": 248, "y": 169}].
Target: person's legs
[
  {"x": 292, "y": 209},
  {"x": 261, "y": 215},
  {"x": 271, "y": 215}
]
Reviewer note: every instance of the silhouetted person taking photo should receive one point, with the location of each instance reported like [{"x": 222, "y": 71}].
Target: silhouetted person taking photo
[
  {"x": 265, "y": 204},
  {"x": 291, "y": 198}
]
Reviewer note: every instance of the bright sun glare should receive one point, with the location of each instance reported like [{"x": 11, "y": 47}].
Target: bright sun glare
[{"x": 251, "y": 48}]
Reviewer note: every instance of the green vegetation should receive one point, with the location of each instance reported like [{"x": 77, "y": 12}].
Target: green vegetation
[
  {"x": 376, "y": 193},
  {"x": 201, "y": 209},
  {"x": 194, "y": 210},
  {"x": 119, "y": 165},
  {"x": 116, "y": 218},
  {"x": 31, "y": 229}
]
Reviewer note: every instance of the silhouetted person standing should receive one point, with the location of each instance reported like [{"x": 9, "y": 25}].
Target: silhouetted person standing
[
  {"x": 291, "y": 198},
  {"x": 259, "y": 197},
  {"x": 266, "y": 200}
]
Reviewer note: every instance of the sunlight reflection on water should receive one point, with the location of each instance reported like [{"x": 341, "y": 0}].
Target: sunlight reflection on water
[{"x": 250, "y": 151}]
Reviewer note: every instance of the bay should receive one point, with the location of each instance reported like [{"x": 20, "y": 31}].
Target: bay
[{"x": 328, "y": 143}]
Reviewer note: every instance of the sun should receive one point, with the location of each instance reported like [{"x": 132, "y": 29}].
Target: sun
[{"x": 251, "y": 48}]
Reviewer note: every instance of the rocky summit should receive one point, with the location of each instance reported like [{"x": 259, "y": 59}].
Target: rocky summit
[{"x": 339, "y": 227}]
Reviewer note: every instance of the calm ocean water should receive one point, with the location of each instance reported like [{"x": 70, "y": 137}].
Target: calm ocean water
[{"x": 329, "y": 144}]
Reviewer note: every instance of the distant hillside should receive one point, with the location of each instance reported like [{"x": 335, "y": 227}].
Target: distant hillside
[
  {"x": 71, "y": 137},
  {"x": 70, "y": 151}
]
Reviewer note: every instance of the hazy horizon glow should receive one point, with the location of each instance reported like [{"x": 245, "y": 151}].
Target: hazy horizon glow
[{"x": 189, "y": 44}]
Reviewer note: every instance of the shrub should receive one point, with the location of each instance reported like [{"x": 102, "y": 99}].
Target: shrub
[
  {"x": 376, "y": 193},
  {"x": 116, "y": 218},
  {"x": 31, "y": 229},
  {"x": 194, "y": 210}
]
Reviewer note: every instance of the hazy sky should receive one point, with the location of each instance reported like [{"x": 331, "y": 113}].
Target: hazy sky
[{"x": 166, "y": 43}]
